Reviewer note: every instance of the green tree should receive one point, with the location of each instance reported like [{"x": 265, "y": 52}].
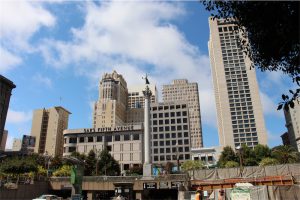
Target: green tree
[
  {"x": 64, "y": 170},
  {"x": 107, "y": 165},
  {"x": 136, "y": 170},
  {"x": 285, "y": 154},
  {"x": 248, "y": 156},
  {"x": 192, "y": 165},
  {"x": 230, "y": 164},
  {"x": 271, "y": 41},
  {"x": 261, "y": 152},
  {"x": 227, "y": 155},
  {"x": 55, "y": 162},
  {"x": 90, "y": 164},
  {"x": 268, "y": 161},
  {"x": 18, "y": 166}
]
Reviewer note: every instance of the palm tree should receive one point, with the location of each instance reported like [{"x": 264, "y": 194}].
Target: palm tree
[{"x": 285, "y": 154}]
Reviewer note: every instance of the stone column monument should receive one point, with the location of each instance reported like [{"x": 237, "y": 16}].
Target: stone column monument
[{"x": 147, "y": 167}]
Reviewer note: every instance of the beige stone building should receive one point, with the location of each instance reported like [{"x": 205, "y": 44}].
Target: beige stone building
[
  {"x": 182, "y": 90},
  {"x": 110, "y": 109},
  {"x": 17, "y": 144},
  {"x": 292, "y": 118},
  {"x": 136, "y": 97},
  {"x": 47, "y": 127},
  {"x": 125, "y": 143},
  {"x": 239, "y": 110},
  {"x": 3, "y": 141}
]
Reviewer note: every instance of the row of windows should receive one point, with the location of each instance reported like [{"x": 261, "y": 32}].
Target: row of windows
[
  {"x": 167, "y": 121},
  {"x": 168, "y": 142},
  {"x": 170, "y": 135},
  {"x": 108, "y": 138},
  {"x": 171, "y": 157},
  {"x": 171, "y": 107},
  {"x": 169, "y": 128},
  {"x": 171, "y": 114},
  {"x": 227, "y": 28},
  {"x": 253, "y": 130},
  {"x": 249, "y": 144},
  {"x": 171, "y": 150}
]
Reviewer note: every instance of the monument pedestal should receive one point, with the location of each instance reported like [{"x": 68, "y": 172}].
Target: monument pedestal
[{"x": 147, "y": 170}]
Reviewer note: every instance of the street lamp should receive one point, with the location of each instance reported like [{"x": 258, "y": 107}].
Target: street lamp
[
  {"x": 47, "y": 161},
  {"x": 240, "y": 149}
]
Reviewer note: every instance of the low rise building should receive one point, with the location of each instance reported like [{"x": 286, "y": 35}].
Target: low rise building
[
  {"x": 125, "y": 143},
  {"x": 209, "y": 155}
]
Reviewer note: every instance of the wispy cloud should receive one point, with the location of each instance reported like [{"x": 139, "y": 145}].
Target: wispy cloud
[
  {"x": 45, "y": 81},
  {"x": 18, "y": 117},
  {"x": 133, "y": 43},
  {"x": 19, "y": 21},
  {"x": 8, "y": 60},
  {"x": 269, "y": 106}
]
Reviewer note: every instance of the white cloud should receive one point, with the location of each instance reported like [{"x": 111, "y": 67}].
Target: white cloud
[
  {"x": 18, "y": 117},
  {"x": 45, "y": 81},
  {"x": 269, "y": 107},
  {"x": 19, "y": 20},
  {"x": 8, "y": 60},
  {"x": 134, "y": 38}
]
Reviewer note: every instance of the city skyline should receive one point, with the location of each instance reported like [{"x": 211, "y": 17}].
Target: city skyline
[{"x": 54, "y": 61}]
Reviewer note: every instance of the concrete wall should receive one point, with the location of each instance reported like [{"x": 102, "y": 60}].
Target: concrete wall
[{"x": 25, "y": 192}]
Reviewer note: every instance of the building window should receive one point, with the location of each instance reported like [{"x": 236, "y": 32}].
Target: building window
[
  {"x": 90, "y": 139},
  {"x": 155, "y": 158},
  {"x": 126, "y": 137},
  {"x": 72, "y": 140},
  {"x": 72, "y": 149},
  {"x": 99, "y": 138},
  {"x": 136, "y": 137},
  {"x": 162, "y": 150},
  {"x": 155, "y": 143},
  {"x": 155, "y": 151},
  {"x": 117, "y": 137},
  {"x": 108, "y": 138},
  {"x": 81, "y": 139}
]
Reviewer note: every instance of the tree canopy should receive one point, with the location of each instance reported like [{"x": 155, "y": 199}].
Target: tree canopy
[
  {"x": 271, "y": 41},
  {"x": 107, "y": 165}
]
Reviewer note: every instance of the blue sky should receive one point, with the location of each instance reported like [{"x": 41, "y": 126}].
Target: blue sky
[{"x": 56, "y": 52}]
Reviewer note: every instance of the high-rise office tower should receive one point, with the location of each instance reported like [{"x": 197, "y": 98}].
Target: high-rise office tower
[
  {"x": 182, "y": 90},
  {"x": 239, "y": 110},
  {"x": 47, "y": 127},
  {"x": 136, "y": 98},
  {"x": 292, "y": 118},
  {"x": 110, "y": 109},
  {"x": 6, "y": 87},
  {"x": 3, "y": 141}
]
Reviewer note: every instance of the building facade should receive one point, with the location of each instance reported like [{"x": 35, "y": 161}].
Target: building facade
[
  {"x": 209, "y": 156},
  {"x": 17, "y": 144},
  {"x": 3, "y": 141},
  {"x": 125, "y": 143},
  {"x": 6, "y": 86},
  {"x": 47, "y": 128},
  {"x": 292, "y": 119},
  {"x": 239, "y": 110},
  {"x": 110, "y": 109},
  {"x": 182, "y": 90},
  {"x": 136, "y": 97},
  {"x": 170, "y": 132}
]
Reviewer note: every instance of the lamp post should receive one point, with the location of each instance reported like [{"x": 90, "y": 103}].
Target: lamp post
[
  {"x": 47, "y": 162},
  {"x": 240, "y": 149}
]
